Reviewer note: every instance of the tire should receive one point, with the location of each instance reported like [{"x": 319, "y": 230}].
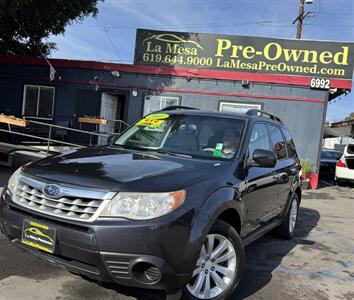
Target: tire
[
  {"x": 286, "y": 229},
  {"x": 221, "y": 236}
]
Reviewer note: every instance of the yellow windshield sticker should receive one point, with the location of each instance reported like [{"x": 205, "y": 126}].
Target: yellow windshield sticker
[
  {"x": 157, "y": 117},
  {"x": 150, "y": 123}
]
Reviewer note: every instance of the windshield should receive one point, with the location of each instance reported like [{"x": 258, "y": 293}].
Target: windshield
[{"x": 192, "y": 135}]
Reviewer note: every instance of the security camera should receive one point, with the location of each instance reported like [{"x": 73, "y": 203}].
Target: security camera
[{"x": 245, "y": 83}]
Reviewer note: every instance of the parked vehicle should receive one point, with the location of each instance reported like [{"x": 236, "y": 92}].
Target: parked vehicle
[
  {"x": 345, "y": 166},
  {"x": 170, "y": 204},
  {"x": 329, "y": 159}
]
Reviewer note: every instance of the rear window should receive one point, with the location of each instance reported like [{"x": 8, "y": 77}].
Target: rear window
[
  {"x": 350, "y": 149},
  {"x": 289, "y": 143},
  {"x": 278, "y": 142},
  {"x": 335, "y": 155}
]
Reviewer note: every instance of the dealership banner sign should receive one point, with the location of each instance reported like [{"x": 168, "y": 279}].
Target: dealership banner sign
[{"x": 317, "y": 59}]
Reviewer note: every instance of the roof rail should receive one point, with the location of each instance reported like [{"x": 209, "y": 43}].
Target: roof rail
[
  {"x": 261, "y": 113},
  {"x": 177, "y": 107}
]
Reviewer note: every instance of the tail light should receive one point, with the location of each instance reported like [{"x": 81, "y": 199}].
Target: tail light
[{"x": 341, "y": 164}]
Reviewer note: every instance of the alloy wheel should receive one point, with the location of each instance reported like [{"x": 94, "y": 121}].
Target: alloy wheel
[
  {"x": 216, "y": 268},
  {"x": 293, "y": 216}
]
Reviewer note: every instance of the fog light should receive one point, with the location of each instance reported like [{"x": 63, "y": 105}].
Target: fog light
[
  {"x": 146, "y": 273},
  {"x": 152, "y": 273}
]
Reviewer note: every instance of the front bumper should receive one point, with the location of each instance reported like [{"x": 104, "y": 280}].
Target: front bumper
[{"x": 114, "y": 250}]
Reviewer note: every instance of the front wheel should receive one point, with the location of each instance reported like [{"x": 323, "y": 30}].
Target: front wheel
[{"x": 219, "y": 266}]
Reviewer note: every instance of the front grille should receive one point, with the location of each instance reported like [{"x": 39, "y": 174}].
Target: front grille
[
  {"x": 74, "y": 203},
  {"x": 350, "y": 163}
]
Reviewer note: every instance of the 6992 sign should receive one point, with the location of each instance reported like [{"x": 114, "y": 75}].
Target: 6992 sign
[{"x": 320, "y": 83}]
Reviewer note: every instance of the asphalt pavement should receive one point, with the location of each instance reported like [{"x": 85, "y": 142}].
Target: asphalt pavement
[{"x": 317, "y": 264}]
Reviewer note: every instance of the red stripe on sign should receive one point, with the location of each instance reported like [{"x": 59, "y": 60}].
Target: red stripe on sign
[{"x": 171, "y": 71}]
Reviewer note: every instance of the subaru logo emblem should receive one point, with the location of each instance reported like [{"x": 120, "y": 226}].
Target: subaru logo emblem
[{"x": 51, "y": 190}]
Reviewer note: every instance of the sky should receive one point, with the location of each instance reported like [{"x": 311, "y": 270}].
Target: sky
[{"x": 111, "y": 35}]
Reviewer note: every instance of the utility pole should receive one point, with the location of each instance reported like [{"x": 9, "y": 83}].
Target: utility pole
[
  {"x": 300, "y": 19},
  {"x": 302, "y": 16}
]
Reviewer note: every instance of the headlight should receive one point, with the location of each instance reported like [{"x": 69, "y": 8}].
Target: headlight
[
  {"x": 143, "y": 206},
  {"x": 13, "y": 181}
]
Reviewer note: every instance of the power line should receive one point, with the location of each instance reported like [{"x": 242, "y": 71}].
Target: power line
[
  {"x": 210, "y": 25},
  {"x": 106, "y": 29}
]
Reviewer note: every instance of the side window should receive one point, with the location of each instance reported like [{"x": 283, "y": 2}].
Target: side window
[
  {"x": 259, "y": 138},
  {"x": 278, "y": 142},
  {"x": 289, "y": 143}
]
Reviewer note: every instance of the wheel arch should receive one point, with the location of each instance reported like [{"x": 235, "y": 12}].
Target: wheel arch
[
  {"x": 232, "y": 217},
  {"x": 223, "y": 205},
  {"x": 299, "y": 193}
]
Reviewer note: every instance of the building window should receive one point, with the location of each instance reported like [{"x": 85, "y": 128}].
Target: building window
[
  {"x": 238, "y": 107},
  {"x": 155, "y": 103},
  {"x": 38, "y": 101}
]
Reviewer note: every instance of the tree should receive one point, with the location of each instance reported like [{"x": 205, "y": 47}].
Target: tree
[
  {"x": 25, "y": 25},
  {"x": 350, "y": 117}
]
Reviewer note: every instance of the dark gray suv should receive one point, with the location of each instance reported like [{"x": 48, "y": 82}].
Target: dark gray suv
[{"x": 170, "y": 204}]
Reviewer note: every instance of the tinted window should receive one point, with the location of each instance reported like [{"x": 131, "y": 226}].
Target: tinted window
[
  {"x": 289, "y": 143},
  {"x": 350, "y": 149},
  {"x": 259, "y": 139},
  {"x": 334, "y": 155},
  {"x": 278, "y": 142}
]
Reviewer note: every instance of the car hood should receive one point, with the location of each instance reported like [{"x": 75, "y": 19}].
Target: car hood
[{"x": 121, "y": 169}]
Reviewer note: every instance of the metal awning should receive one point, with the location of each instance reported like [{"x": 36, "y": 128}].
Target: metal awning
[{"x": 347, "y": 130}]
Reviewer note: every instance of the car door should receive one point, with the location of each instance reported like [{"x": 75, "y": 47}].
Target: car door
[
  {"x": 283, "y": 169},
  {"x": 261, "y": 183}
]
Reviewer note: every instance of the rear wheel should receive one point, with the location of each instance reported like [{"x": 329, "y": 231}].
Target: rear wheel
[
  {"x": 219, "y": 266},
  {"x": 287, "y": 227}
]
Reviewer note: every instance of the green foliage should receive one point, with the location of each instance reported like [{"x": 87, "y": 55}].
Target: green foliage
[
  {"x": 25, "y": 25},
  {"x": 350, "y": 117},
  {"x": 306, "y": 167}
]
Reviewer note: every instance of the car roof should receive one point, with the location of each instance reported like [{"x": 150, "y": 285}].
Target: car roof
[
  {"x": 207, "y": 113},
  {"x": 331, "y": 150}
]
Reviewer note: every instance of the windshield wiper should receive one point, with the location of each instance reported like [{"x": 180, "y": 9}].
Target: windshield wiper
[
  {"x": 174, "y": 153},
  {"x": 130, "y": 147}
]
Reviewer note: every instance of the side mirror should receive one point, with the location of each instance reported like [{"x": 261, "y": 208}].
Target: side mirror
[{"x": 262, "y": 159}]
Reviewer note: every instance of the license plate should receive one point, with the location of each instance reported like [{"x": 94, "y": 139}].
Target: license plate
[{"x": 38, "y": 235}]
